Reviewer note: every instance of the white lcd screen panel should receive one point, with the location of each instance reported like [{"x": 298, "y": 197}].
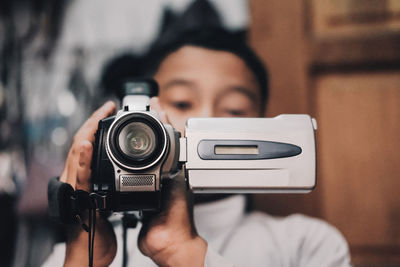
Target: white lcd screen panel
[{"x": 235, "y": 150}]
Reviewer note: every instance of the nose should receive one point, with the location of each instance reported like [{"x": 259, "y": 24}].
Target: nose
[{"x": 206, "y": 112}]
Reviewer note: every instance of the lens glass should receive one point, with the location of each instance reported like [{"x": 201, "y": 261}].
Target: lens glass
[{"x": 137, "y": 140}]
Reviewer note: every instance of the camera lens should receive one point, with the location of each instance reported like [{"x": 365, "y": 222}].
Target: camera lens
[{"x": 137, "y": 140}]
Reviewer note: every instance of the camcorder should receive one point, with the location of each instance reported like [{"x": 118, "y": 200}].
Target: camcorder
[{"x": 134, "y": 152}]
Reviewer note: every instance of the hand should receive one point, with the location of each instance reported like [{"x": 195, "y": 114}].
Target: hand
[
  {"x": 169, "y": 238},
  {"x": 77, "y": 174}
]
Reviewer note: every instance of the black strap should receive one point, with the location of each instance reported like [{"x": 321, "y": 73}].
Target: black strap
[
  {"x": 59, "y": 195},
  {"x": 69, "y": 206}
]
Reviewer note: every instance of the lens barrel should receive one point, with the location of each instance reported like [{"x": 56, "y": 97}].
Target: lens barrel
[{"x": 137, "y": 141}]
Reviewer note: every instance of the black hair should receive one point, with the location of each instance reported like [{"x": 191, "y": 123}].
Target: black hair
[{"x": 214, "y": 39}]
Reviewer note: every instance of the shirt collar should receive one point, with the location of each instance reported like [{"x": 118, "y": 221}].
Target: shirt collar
[{"x": 216, "y": 217}]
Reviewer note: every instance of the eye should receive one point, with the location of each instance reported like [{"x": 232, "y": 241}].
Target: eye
[
  {"x": 235, "y": 112},
  {"x": 182, "y": 105}
]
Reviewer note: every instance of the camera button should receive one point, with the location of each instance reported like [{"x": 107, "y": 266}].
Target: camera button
[{"x": 314, "y": 123}]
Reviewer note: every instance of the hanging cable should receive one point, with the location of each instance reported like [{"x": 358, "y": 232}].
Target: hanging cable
[
  {"x": 92, "y": 231},
  {"x": 90, "y": 239},
  {"x": 125, "y": 247}
]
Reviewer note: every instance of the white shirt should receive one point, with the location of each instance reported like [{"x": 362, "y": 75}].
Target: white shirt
[{"x": 238, "y": 239}]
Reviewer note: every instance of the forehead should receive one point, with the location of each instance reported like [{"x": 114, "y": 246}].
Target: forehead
[{"x": 206, "y": 68}]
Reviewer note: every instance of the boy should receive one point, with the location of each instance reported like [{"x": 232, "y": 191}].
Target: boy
[{"x": 207, "y": 73}]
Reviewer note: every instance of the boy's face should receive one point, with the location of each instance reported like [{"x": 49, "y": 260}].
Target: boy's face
[{"x": 199, "y": 82}]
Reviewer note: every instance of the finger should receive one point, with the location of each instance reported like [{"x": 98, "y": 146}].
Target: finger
[
  {"x": 69, "y": 173},
  {"x": 104, "y": 111},
  {"x": 175, "y": 189},
  {"x": 83, "y": 170},
  {"x": 88, "y": 129},
  {"x": 107, "y": 109},
  {"x": 155, "y": 105},
  {"x": 83, "y": 138},
  {"x": 71, "y": 166},
  {"x": 64, "y": 174}
]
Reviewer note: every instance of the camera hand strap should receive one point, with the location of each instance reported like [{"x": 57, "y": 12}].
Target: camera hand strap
[{"x": 69, "y": 206}]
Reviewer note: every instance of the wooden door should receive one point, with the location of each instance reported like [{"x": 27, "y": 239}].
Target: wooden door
[{"x": 340, "y": 62}]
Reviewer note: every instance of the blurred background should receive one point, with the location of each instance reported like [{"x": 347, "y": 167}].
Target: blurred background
[{"x": 338, "y": 60}]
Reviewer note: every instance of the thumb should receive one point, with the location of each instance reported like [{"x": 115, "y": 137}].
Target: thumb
[{"x": 83, "y": 173}]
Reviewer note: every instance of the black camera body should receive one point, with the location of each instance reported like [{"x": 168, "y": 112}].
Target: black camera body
[{"x": 133, "y": 152}]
